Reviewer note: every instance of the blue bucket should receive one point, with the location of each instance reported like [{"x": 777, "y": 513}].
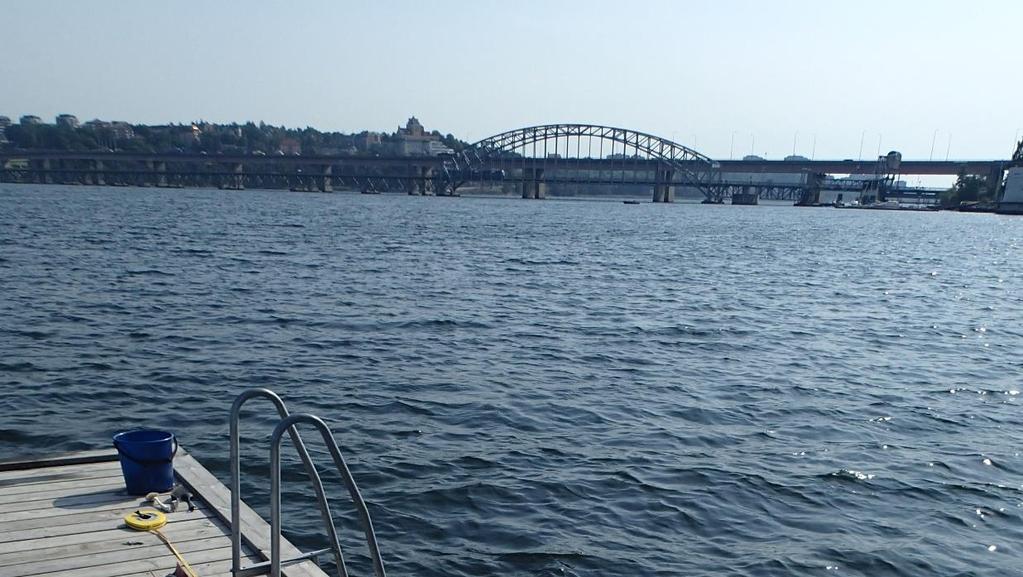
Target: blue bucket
[{"x": 147, "y": 460}]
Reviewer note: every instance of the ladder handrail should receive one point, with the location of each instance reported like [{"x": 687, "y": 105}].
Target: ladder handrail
[
  {"x": 235, "y": 458},
  {"x": 287, "y": 424}
]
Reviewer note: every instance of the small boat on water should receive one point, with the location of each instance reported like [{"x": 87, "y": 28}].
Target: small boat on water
[{"x": 630, "y": 202}]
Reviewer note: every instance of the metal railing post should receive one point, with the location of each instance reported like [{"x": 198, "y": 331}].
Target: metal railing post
[
  {"x": 235, "y": 465},
  {"x": 287, "y": 424}
]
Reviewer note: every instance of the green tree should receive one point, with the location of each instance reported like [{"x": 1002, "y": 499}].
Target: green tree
[{"x": 968, "y": 188}]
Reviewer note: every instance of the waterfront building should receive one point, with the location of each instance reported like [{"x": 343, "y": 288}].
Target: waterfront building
[
  {"x": 187, "y": 136},
  {"x": 290, "y": 146},
  {"x": 67, "y": 120},
  {"x": 436, "y": 147},
  {"x": 122, "y": 130},
  {"x": 367, "y": 140},
  {"x": 29, "y": 119},
  {"x": 413, "y": 140},
  {"x": 108, "y": 133}
]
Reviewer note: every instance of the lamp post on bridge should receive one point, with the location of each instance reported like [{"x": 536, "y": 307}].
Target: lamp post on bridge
[
  {"x": 933, "y": 138},
  {"x": 794, "y": 137}
]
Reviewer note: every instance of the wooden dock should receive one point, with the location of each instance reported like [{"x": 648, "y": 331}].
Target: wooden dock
[{"x": 64, "y": 516}]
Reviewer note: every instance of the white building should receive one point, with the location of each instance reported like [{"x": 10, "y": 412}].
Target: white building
[
  {"x": 413, "y": 140},
  {"x": 436, "y": 147},
  {"x": 67, "y": 120}
]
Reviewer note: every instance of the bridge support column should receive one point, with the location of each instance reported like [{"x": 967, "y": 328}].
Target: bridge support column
[
  {"x": 424, "y": 179},
  {"x": 993, "y": 181},
  {"x": 415, "y": 183},
  {"x": 750, "y": 195},
  {"x": 663, "y": 190},
  {"x": 326, "y": 173},
  {"x": 811, "y": 193},
  {"x": 99, "y": 179},
  {"x": 236, "y": 179},
  {"x": 533, "y": 185},
  {"x": 161, "y": 174},
  {"x": 47, "y": 175}
]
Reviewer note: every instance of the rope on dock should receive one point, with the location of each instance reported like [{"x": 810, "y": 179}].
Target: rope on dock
[{"x": 150, "y": 521}]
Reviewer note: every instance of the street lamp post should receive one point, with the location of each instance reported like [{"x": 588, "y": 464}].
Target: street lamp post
[{"x": 933, "y": 138}]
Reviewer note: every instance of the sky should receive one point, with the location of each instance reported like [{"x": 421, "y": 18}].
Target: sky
[{"x": 728, "y": 77}]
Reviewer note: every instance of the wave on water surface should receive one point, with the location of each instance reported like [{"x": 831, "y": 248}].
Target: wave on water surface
[{"x": 565, "y": 388}]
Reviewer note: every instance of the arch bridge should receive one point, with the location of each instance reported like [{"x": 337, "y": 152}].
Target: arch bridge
[{"x": 579, "y": 156}]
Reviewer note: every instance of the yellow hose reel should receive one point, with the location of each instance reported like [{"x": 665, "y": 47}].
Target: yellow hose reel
[{"x": 145, "y": 520}]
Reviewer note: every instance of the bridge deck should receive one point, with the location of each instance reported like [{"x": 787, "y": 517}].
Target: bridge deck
[{"x": 64, "y": 516}]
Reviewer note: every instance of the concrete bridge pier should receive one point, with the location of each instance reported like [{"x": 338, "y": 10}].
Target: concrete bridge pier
[
  {"x": 533, "y": 184},
  {"x": 326, "y": 174},
  {"x": 994, "y": 180},
  {"x": 749, "y": 195},
  {"x": 424, "y": 180},
  {"x": 421, "y": 181},
  {"x": 161, "y": 174},
  {"x": 47, "y": 175},
  {"x": 663, "y": 189},
  {"x": 811, "y": 193},
  {"x": 99, "y": 178},
  {"x": 156, "y": 174},
  {"x": 235, "y": 180}
]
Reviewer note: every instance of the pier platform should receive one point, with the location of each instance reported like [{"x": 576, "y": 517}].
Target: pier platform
[{"x": 65, "y": 516}]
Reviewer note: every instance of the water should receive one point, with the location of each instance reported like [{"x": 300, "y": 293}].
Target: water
[{"x": 549, "y": 388}]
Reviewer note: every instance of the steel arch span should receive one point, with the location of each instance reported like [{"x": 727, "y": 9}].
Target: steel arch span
[{"x": 681, "y": 165}]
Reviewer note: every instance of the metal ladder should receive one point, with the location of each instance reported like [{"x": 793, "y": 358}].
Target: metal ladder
[{"x": 287, "y": 424}]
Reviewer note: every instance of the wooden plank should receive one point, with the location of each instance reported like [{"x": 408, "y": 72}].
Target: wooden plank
[
  {"x": 20, "y": 477},
  {"x": 160, "y": 566},
  {"x": 112, "y": 540},
  {"x": 214, "y": 569},
  {"x": 71, "y": 505},
  {"x": 19, "y": 535},
  {"x": 102, "y": 533},
  {"x": 153, "y": 548},
  {"x": 78, "y": 458},
  {"x": 106, "y": 517},
  {"x": 56, "y": 484},
  {"x": 58, "y": 490},
  {"x": 255, "y": 531}
]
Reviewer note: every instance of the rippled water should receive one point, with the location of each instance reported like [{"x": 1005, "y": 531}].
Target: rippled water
[{"x": 549, "y": 388}]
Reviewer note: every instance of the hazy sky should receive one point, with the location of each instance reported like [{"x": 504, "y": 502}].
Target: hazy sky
[{"x": 698, "y": 72}]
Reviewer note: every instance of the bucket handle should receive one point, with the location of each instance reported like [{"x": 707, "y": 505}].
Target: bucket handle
[{"x": 125, "y": 454}]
